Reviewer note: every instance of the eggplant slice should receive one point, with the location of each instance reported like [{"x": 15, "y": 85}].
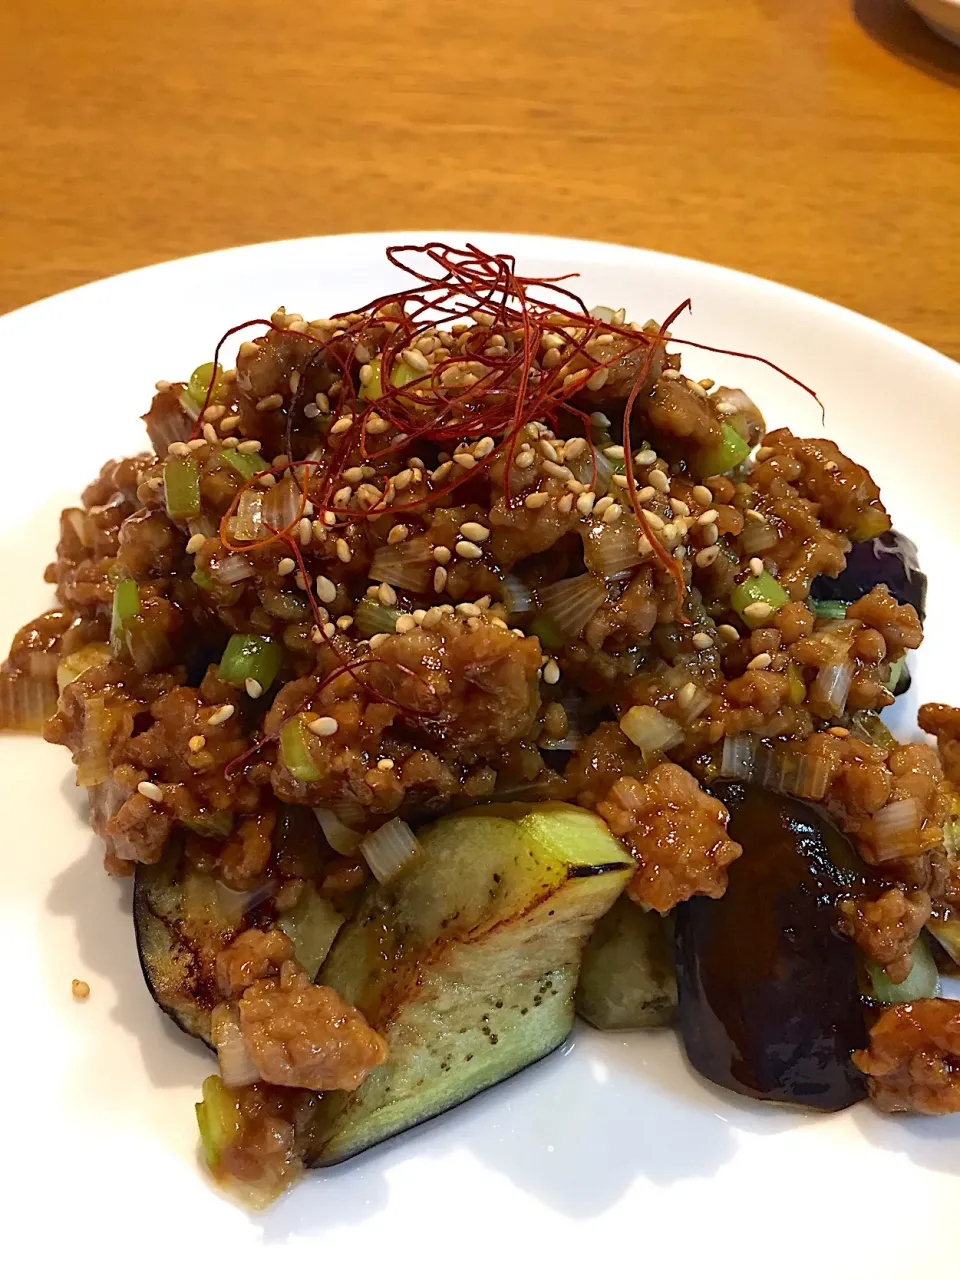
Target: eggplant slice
[{"x": 180, "y": 927}]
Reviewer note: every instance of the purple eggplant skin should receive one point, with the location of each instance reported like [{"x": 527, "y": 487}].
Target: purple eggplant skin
[
  {"x": 769, "y": 999},
  {"x": 891, "y": 559}
]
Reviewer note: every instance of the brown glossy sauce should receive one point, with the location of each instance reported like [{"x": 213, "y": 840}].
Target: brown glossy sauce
[{"x": 770, "y": 1004}]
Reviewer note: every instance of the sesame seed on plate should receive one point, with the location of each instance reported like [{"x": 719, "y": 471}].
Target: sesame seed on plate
[
  {"x": 150, "y": 791},
  {"x": 536, "y": 500},
  {"x": 221, "y": 715},
  {"x": 475, "y": 532},
  {"x": 468, "y": 550}
]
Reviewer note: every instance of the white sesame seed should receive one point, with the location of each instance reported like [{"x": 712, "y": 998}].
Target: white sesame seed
[
  {"x": 614, "y": 451},
  {"x": 708, "y": 517},
  {"x": 150, "y": 791},
  {"x": 612, "y": 513},
  {"x": 387, "y": 595},
  {"x": 679, "y": 508},
  {"x": 286, "y": 565},
  {"x": 756, "y": 566},
  {"x": 253, "y": 687},
  {"x": 405, "y": 623},
  {"x": 759, "y": 611},
  {"x": 645, "y": 458},
  {"x": 565, "y": 505},
  {"x": 439, "y": 578},
  {"x": 305, "y": 531},
  {"x": 654, "y": 521},
  {"x": 760, "y": 662},
  {"x": 468, "y": 610},
  {"x": 727, "y": 632},
  {"x": 702, "y": 495},
  {"x": 687, "y": 694},
  {"x": 442, "y": 555},
  {"x": 386, "y": 764},
  {"x": 646, "y": 494},
  {"x": 551, "y": 672},
  {"x": 341, "y": 426},
  {"x": 178, "y": 449},
  {"x": 270, "y": 402},
  {"x": 548, "y": 451},
  {"x": 344, "y": 554},
  {"x": 601, "y": 505},
  {"x": 468, "y": 550},
  {"x": 585, "y": 502},
  {"x": 326, "y": 589},
  {"x": 209, "y": 435},
  {"x": 706, "y": 556},
  {"x": 311, "y": 411},
  {"x": 710, "y": 534},
  {"x": 659, "y": 480},
  {"x": 323, "y": 726},
  {"x": 475, "y": 532},
  {"x": 702, "y": 640},
  {"x": 344, "y": 622},
  {"x": 329, "y": 630},
  {"x": 194, "y": 445},
  {"x": 465, "y": 460},
  {"x": 764, "y": 453},
  {"x": 536, "y": 500},
  {"x": 397, "y": 534},
  {"x": 756, "y": 516},
  {"x": 197, "y": 743},
  {"x": 221, "y": 715},
  {"x": 556, "y": 470},
  {"x": 195, "y": 544},
  {"x": 249, "y": 446}
]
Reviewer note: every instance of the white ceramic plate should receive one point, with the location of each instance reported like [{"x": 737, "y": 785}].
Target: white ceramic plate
[{"x": 610, "y": 1153}]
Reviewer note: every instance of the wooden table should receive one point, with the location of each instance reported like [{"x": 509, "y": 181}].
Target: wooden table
[{"x": 806, "y": 140}]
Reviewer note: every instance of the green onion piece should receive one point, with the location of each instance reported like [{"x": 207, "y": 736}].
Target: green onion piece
[
  {"x": 126, "y": 604},
  {"x": 246, "y": 465},
  {"x": 896, "y": 671},
  {"x": 372, "y": 618},
  {"x": 921, "y": 982},
  {"x": 295, "y": 754},
  {"x": 400, "y": 375},
  {"x": 547, "y": 632},
  {"x": 218, "y": 1119},
  {"x": 311, "y": 926},
  {"x": 181, "y": 487},
  {"x": 829, "y": 608},
  {"x": 251, "y": 658},
  {"x": 718, "y": 459},
  {"x": 199, "y": 383},
  {"x": 797, "y": 689},
  {"x": 762, "y": 589},
  {"x": 214, "y": 824},
  {"x": 202, "y": 579}
]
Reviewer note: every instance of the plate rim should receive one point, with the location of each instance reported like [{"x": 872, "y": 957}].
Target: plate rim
[{"x": 603, "y": 251}]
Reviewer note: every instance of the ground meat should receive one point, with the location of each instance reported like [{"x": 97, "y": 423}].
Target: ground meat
[
  {"x": 944, "y": 723},
  {"x": 897, "y": 623},
  {"x": 860, "y": 784},
  {"x": 254, "y": 955},
  {"x": 272, "y": 1133},
  {"x": 604, "y": 757},
  {"x": 305, "y": 1036},
  {"x": 886, "y": 928},
  {"x": 913, "y": 1059},
  {"x": 846, "y": 497},
  {"x": 676, "y": 831}
]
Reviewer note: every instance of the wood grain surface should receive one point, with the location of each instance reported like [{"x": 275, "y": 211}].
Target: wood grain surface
[{"x": 813, "y": 141}]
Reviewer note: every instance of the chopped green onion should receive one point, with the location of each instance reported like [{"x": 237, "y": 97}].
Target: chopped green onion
[
  {"x": 868, "y": 726},
  {"x": 218, "y": 1118},
  {"x": 400, "y": 375},
  {"x": 755, "y": 590},
  {"x": 718, "y": 459},
  {"x": 797, "y": 689},
  {"x": 249, "y": 657},
  {"x": 202, "y": 579},
  {"x": 829, "y": 608},
  {"x": 214, "y": 824},
  {"x": 295, "y": 754},
  {"x": 126, "y": 605},
  {"x": 199, "y": 383},
  {"x": 921, "y": 982},
  {"x": 896, "y": 671},
  {"x": 181, "y": 487},
  {"x": 246, "y": 465},
  {"x": 372, "y": 618}
]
